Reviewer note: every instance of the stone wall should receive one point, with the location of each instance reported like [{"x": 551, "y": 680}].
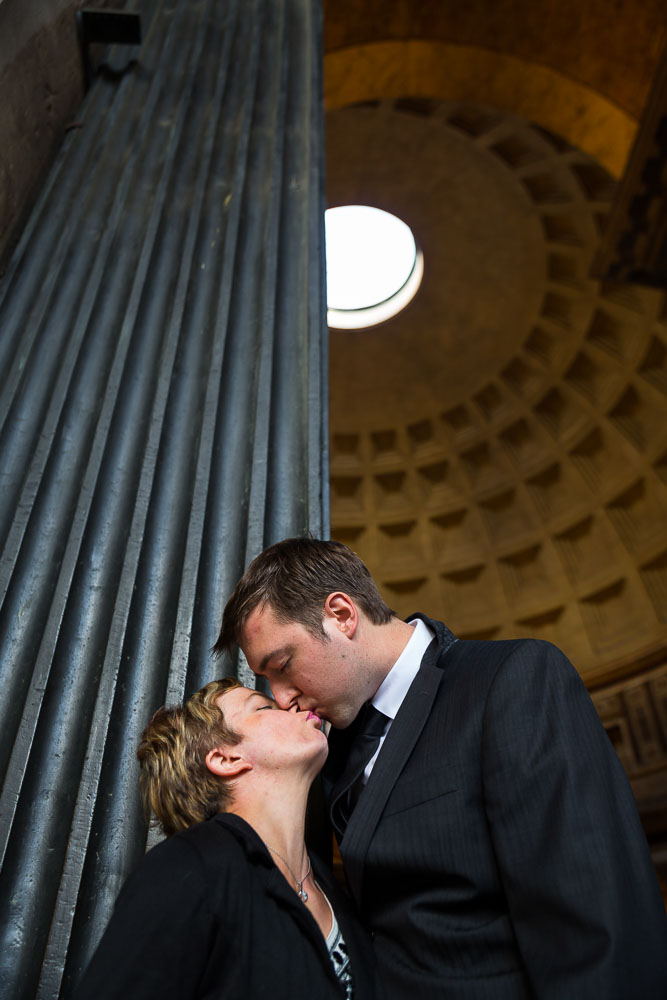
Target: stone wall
[{"x": 41, "y": 86}]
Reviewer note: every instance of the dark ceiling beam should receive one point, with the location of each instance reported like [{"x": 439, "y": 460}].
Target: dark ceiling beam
[{"x": 634, "y": 244}]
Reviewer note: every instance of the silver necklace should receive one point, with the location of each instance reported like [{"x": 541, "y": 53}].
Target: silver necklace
[{"x": 300, "y": 891}]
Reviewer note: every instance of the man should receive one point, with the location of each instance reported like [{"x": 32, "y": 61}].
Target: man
[{"x": 492, "y": 843}]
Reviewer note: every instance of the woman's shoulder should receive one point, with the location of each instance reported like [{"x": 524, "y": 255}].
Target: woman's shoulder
[{"x": 204, "y": 853}]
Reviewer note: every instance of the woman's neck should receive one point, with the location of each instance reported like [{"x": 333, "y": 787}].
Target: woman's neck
[{"x": 279, "y": 820}]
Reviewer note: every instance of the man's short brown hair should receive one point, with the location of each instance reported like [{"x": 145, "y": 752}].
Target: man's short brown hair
[
  {"x": 176, "y": 785},
  {"x": 295, "y": 577}
]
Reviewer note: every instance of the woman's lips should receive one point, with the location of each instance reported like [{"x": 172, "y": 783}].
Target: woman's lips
[{"x": 311, "y": 715}]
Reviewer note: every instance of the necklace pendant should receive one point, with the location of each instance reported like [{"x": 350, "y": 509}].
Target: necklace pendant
[{"x": 300, "y": 891}]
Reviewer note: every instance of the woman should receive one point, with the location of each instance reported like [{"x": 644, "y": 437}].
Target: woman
[{"x": 231, "y": 905}]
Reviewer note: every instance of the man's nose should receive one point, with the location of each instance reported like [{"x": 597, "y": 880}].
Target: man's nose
[{"x": 285, "y": 695}]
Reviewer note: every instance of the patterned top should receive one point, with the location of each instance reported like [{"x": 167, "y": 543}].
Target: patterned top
[{"x": 338, "y": 953}]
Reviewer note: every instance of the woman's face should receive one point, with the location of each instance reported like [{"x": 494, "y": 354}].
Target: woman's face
[{"x": 270, "y": 735}]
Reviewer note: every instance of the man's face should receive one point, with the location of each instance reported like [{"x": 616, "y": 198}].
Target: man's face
[{"x": 324, "y": 676}]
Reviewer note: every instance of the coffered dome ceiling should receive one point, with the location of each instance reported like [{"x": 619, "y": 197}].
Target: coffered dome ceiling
[{"x": 499, "y": 449}]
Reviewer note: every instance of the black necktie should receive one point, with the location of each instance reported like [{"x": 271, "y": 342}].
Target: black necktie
[{"x": 364, "y": 746}]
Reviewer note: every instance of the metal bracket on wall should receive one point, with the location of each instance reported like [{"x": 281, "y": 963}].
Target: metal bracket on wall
[{"x": 105, "y": 27}]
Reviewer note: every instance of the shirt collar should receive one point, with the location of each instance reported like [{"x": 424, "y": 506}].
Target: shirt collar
[{"x": 389, "y": 696}]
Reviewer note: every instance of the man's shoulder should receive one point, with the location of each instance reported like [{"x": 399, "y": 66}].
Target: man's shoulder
[
  {"x": 493, "y": 650},
  {"x": 531, "y": 653},
  {"x": 481, "y": 663},
  {"x": 481, "y": 648}
]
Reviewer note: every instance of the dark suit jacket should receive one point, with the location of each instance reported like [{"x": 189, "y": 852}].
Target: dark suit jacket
[
  {"x": 496, "y": 851},
  {"x": 207, "y": 915}
]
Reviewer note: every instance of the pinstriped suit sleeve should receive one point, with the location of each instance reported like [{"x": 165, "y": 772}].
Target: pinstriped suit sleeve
[{"x": 573, "y": 858}]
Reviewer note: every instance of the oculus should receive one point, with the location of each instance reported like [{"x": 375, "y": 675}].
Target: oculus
[{"x": 374, "y": 266}]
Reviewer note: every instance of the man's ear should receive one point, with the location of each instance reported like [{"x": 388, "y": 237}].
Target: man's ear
[
  {"x": 225, "y": 763},
  {"x": 342, "y": 613}
]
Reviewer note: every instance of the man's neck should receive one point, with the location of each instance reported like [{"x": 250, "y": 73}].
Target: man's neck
[{"x": 389, "y": 641}]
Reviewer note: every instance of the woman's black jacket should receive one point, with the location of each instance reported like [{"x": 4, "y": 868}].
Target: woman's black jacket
[{"x": 208, "y": 915}]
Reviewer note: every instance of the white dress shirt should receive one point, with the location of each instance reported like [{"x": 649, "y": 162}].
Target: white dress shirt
[{"x": 389, "y": 696}]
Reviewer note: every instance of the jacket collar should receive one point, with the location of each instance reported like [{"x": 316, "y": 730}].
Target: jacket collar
[
  {"x": 444, "y": 636},
  {"x": 275, "y": 885}
]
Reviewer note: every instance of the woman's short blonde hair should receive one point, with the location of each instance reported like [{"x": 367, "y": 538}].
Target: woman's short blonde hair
[{"x": 176, "y": 785}]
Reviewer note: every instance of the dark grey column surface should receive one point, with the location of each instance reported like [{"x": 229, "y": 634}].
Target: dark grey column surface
[{"x": 163, "y": 417}]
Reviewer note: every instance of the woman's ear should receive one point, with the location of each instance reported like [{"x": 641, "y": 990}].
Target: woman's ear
[
  {"x": 225, "y": 763},
  {"x": 341, "y": 612}
]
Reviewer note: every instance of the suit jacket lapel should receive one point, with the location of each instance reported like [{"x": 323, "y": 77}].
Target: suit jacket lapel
[{"x": 397, "y": 747}]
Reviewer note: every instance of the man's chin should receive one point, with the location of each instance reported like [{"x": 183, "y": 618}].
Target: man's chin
[{"x": 342, "y": 720}]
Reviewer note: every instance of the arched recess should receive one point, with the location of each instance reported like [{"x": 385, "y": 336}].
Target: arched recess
[{"x": 468, "y": 73}]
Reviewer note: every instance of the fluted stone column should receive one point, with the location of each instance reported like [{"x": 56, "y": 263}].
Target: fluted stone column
[{"x": 163, "y": 413}]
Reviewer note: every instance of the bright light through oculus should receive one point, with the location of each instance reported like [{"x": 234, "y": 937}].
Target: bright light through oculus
[{"x": 373, "y": 266}]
